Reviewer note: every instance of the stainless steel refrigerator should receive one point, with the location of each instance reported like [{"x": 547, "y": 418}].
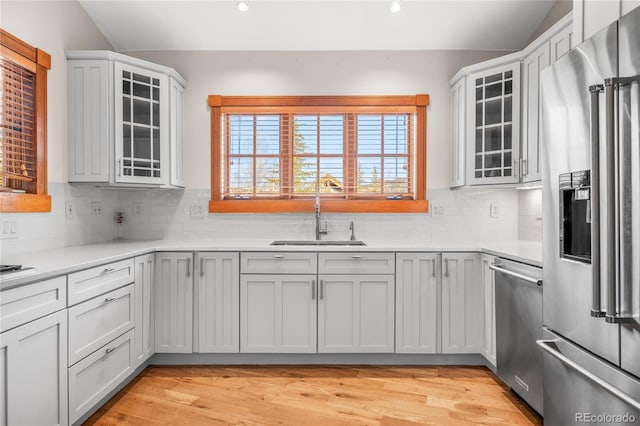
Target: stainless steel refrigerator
[{"x": 591, "y": 230}]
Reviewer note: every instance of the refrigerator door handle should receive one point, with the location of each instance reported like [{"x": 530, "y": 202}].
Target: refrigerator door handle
[
  {"x": 613, "y": 222},
  {"x": 544, "y": 344},
  {"x": 596, "y": 308},
  {"x": 612, "y": 171}
]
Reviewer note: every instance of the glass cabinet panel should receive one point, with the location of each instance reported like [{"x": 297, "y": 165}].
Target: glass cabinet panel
[
  {"x": 140, "y": 125},
  {"x": 493, "y": 155}
]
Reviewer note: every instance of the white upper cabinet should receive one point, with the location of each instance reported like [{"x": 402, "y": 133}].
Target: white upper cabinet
[
  {"x": 538, "y": 56},
  {"x": 125, "y": 121},
  {"x": 176, "y": 128},
  {"x": 495, "y": 113},
  {"x": 533, "y": 64},
  {"x": 592, "y": 16},
  {"x": 458, "y": 130}
]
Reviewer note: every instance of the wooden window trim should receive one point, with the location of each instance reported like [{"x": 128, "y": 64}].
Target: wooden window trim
[
  {"x": 31, "y": 58},
  {"x": 326, "y": 104}
]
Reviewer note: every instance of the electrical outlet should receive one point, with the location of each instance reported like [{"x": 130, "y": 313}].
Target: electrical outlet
[
  {"x": 96, "y": 208},
  {"x": 494, "y": 210},
  {"x": 436, "y": 209},
  {"x": 197, "y": 210},
  {"x": 9, "y": 230},
  {"x": 138, "y": 209},
  {"x": 69, "y": 210}
]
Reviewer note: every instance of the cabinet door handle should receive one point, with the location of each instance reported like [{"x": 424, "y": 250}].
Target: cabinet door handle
[
  {"x": 516, "y": 171},
  {"x": 433, "y": 271},
  {"x": 313, "y": 289},
  {"x": 321, "y": 289},
  {"x": 188, "y": 267},
  {"x": 525, "y": 168},
  {"x": 109, "y": 299},
  {"x": 107, "y": 270},
  {"x": 119, "y": 168},
  {"x": 201, "y": 266},
  {"x": 109, "y": 350},
  {"x": 278, "y": 256},
  {"x": 356, "y": 256},
  {"x": 446, "y": 267}
]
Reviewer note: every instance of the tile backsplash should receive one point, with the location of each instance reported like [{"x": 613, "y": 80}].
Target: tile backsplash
[
  {"x": 456, "y": 217},
  {"x": 530, "y": 215},
  {"x": 461, "y": 216},
  {"x": 90, "y": 220}
]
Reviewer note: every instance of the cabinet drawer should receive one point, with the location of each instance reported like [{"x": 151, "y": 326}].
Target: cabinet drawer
[
  {"x": 97, "y": 321},
  {"x": 94, "y": 377},
  {"x": 356, "y": 263},
  {"x": 92, "y": 282},
  {"x": 278, "y": 263},
  {"x": 32, "y": 301}
]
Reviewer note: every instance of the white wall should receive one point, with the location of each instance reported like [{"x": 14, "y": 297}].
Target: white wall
[{"x": 316, "y": 73}]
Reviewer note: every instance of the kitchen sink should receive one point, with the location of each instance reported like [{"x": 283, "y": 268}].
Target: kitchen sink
[{"x": 318, "y": 243}]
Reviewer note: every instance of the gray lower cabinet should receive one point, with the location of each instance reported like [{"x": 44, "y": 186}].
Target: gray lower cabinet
[
  {"x": 462, "y": 303},
  {"x": 92, "y": 378},
  {"x": 95, "y": 322},
  {"x": 33, "y": 379},
  {"x": 356, "y": 313},
  {"x": 489, "y": 287},
  {"x": 218, "y": 302},
  {"x": 144, "y": 308},
  {"x": 278, "y": 313},
  {"x": 416, "y": 302},
  {"x": 173, "y": 302}
]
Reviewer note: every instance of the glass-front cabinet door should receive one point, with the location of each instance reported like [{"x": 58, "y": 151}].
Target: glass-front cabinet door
[
  {"x": 141, "y": 125},
  {"x": 494, "y": 125}
]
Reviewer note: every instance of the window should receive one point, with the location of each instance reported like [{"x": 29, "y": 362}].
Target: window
[
  {"x": 23, "y": 126},
  {"x": 359, "y": 154}
]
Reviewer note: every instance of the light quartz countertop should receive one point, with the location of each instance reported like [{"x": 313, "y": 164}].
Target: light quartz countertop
[{"x": 60, "y": 261}]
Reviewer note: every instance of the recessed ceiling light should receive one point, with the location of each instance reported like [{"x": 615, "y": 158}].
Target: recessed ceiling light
[
  {"x": 395, "y": 6},
  {"x": 243, "y": 5}
]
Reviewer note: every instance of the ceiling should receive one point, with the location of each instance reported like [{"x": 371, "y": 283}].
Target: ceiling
[{"x": 309, "y": 25}]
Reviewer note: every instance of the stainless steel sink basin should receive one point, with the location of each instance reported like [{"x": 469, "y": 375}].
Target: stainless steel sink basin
[{"x": 318, "y": 243}]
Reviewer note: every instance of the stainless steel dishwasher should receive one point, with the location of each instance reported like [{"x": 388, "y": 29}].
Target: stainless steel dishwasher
[{"x": 518, "y": 326}]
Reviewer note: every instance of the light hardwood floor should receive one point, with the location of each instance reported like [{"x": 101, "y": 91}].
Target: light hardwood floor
[{"x": 313, "y": 395}]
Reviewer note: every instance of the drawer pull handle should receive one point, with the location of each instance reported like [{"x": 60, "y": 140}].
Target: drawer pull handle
[
  {"x": 109, "y": 350},
  {"x": 109, "y": 299},
  {"x": 278, "y": 256},
  {"x": 107, "y": 270},
  {"x": 356, "y": 256}
]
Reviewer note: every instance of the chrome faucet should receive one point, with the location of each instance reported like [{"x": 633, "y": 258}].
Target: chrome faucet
[
  {"x": 353, "y": 232},
  {"x": 320, "y": 230}
]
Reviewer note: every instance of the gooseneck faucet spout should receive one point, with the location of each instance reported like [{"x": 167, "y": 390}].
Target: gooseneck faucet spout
[{"x": 320, "y": 230}]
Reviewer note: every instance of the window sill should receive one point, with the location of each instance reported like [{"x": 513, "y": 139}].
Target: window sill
[
  {"x": 327, "y": 206},
  {"x": 24, "y": 203}
]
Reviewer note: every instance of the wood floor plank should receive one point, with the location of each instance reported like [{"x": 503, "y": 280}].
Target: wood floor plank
[{"x": 315, "y": 395}]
